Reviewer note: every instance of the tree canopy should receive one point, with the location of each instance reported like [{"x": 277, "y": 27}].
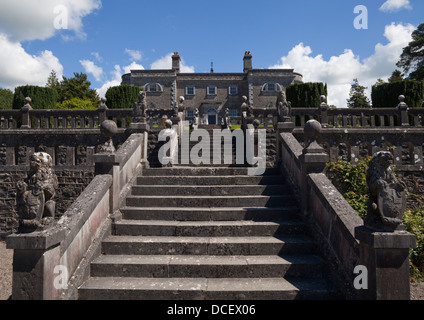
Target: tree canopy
[{"x": 412, "y": 58}]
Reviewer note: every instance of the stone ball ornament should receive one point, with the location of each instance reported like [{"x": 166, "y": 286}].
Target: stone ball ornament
[
  {"x": 312, "y": 130},
  {"x": 108, "y": 128}
]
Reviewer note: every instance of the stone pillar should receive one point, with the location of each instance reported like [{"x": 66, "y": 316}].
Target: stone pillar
[
  {"x": 138, "y": 119},
  {"x": 323, "y": 108},
  {"x": 26, "y": 120},
  {"x": 106, "y": 161},
  {"x": 403, "y": 108},
  {"x": 312, "y": 160},
  {"x": 386, "y": 257}
]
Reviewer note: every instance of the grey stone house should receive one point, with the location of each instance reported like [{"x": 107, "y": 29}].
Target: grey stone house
[{"x": 212, "y": 93}]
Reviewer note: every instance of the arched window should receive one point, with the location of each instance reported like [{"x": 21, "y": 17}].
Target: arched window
[
  {"x": 153, "y": 87},
  {"x": 272, "y": 87}
]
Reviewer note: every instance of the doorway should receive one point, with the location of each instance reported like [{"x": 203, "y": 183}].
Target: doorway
[{"x": 212, "y": 117}]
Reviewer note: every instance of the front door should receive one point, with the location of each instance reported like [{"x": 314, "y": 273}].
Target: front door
[{"x": 212, "y": 117}]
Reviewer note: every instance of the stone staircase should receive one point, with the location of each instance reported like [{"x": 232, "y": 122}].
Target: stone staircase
[{"x": 209, "y": 233}]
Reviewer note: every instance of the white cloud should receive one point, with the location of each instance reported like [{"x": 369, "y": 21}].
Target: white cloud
[
  {"x": 116, "y": 77},
  {"x": 135, "y": 55},
  {"x": 339, "y": 71},
  {"x": 17, "y": 67},
  {"x": 166, "y": 63},
  {"x": 395, "y": 5},
  {"x": 90, "y": 67},
  {"x": 31, "y": 20}
]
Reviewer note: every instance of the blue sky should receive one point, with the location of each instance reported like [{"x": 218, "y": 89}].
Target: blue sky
[{"x": 106, "y": 38}]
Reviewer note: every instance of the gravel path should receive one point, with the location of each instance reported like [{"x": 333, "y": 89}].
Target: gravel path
[{"x": 6, "y": 258}]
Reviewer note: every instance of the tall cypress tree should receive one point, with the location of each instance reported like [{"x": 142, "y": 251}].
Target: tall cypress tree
[{"x": 358, "y": 99}]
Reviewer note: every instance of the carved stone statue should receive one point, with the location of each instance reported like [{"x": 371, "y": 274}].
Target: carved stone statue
[
  {"x": 246, "y": 108},
  {"x": 387, "y": 202},
  {"x": 35, "y": 194},
  {"x": 226, "y": 120},
  {"x": 140, "y": 108},
  {"x": 284, "y": 108}
]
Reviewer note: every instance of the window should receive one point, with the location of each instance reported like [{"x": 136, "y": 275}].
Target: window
[
  {"x": 233, "y": 113},
  {"x": 190, "y": 113},
  {"x": 211, "y": 91},
  {"x": 153, "y": 87},
  {"x": 233, "y": 90},
  {"x": 190, "y": 90},
  {"x": 272, "y": 87}
]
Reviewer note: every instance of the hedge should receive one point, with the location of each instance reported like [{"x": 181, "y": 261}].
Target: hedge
[
  {"x": 387, "y": 95},
  {"x": 42, "y": 98},
  {"x": 122, "y": 97},
  {"x": 306, "y": 95}
]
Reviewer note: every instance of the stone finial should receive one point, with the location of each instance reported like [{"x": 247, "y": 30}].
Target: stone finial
[
  {"x": 284, "y": 108},
  {"x": 387, "y": 202},
  {"x": 168, "y": 124},
  {"x": 108, "y": 129},
  {"x": 35, "y": 194},
  {"x": 312, "y": 131},
  {"x": 402, "y": 104},
  {"x": 103, "y": 105},
  {"x": 27, "y": 105}
]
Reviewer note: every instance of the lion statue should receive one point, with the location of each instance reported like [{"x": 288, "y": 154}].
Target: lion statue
[
  {"x": 35, "y": 194},
  {"x": 387, "y": 201}
]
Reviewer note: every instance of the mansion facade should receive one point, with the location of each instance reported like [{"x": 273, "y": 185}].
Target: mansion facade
[{"x": 212, "y": 93}]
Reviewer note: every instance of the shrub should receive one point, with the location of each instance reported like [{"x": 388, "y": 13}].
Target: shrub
[
  {"x": 350, "y": 180},
  {"x": 42, "y": 98},
  {"x": 6, "y": 99},
  {"x": 122, "y": 97},
  {"x": 76, "y": 103}
]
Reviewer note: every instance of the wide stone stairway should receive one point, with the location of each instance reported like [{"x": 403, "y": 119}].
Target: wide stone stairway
[{"x": 209, "y": 233}]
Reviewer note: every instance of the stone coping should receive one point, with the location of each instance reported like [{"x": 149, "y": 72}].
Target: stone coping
[{"x": 386, "y": 240}]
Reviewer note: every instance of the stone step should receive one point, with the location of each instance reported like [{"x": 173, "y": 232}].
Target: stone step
[
  {"x": 210, "y": 214},
  {"x": 120, "y": 288},
  {"x": 210, "y": 180},
  {"x": 154, "y": 245},
  {"x": 207, "y": 228},
  {"x": 224, "y": 190},
  {"x": 175, "y": 266},
  {"x": 203, "y": 171},
  {"x": 210, "y": 201}
]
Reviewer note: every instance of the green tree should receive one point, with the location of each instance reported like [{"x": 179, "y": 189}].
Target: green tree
[
  {"x": 6, "y": 99},
  {"x": 397, "y": 75},
  {"x": 379, "y": 82},
  {"x": 358, "y": 99},
  {"x": 122, "y": 97},
  {"x": 412, "y": 57},
  {"x": 78, "y": 87},
  {"x": 53, "y": 81}
]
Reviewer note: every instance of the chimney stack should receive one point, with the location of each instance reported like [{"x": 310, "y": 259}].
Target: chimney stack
[
  {"x": 176, "y": 59},
  {"x": 247, "y": 62}
]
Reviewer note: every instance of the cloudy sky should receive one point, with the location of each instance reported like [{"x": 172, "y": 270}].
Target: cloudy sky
[{"x": 330, "y": 41}]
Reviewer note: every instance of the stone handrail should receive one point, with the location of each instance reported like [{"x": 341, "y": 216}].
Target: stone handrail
[
  {"x": 338, "y": 228},
  {"x": 52, "y": 264}
]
